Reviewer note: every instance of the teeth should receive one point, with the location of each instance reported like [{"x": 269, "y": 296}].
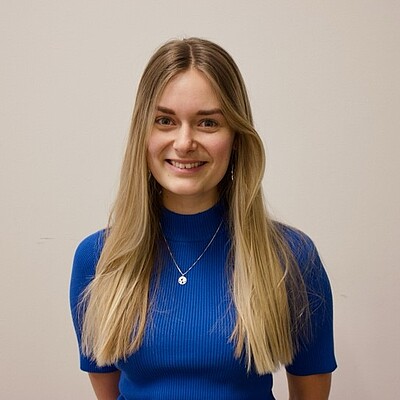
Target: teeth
[{"x": 186, "y": 165}]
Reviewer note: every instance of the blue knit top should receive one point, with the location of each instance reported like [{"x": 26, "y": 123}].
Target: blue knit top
[{"x": 186, "y": 351}]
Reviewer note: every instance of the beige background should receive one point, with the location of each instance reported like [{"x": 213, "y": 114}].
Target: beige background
[{"x": 323, "y": 78}]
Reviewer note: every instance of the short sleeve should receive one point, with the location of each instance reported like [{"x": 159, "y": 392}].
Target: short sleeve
[
  {"x": 83, "y": 270},
  {"x": 315, "y": 355}
]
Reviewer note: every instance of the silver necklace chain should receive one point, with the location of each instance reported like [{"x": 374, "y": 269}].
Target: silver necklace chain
[{"x": 182, "y": 279}]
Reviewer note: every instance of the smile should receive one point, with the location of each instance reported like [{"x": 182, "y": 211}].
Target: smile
[{"x": 181, "y": 165}]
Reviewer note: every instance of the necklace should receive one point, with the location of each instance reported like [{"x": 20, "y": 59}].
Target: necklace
[{"x": 182, "y": 279}]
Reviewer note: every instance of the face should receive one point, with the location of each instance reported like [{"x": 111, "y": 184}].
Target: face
[{"x": 190, "y": 145}]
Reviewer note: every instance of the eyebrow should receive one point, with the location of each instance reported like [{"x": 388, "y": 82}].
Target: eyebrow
[
  {"x": 209, "y": 112},
  {"x": 200, "y": 112}
]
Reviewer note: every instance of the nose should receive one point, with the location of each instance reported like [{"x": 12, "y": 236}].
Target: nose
[{"x": 184, "y": 140}]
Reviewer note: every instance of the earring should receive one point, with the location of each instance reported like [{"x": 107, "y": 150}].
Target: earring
[
  {"x": 232, "y": 172},
  {"x": 149, "y": 175}
]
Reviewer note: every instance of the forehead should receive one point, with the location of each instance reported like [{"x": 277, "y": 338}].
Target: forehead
[{"x": 189, "y": 89}]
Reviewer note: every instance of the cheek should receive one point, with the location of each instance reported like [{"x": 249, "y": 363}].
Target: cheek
[
  {"x": 222, "y": 151},
  {"x": 149, "y": 155},
  {"x": 154, "y": 147}
]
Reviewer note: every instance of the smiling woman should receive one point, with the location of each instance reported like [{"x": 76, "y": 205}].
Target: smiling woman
[
  {"x": 193, "y": 291},
  {"x": 190, "y": 145}
]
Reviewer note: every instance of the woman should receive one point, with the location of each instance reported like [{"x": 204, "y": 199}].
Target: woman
[{"x": 193, "y": 291}]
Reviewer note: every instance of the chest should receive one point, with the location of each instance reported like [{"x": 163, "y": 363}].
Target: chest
[{"x": 189, "y": 326}]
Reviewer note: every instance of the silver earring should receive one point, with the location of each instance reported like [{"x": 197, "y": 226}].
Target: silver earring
[
  {"x": 149, "y": 175},
  {"x": 232, "y": 172}
]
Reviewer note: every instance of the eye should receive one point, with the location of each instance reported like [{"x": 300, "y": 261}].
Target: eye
[
  {"x": 164, "y": 121},
  {"x": 208, "y": 123}
]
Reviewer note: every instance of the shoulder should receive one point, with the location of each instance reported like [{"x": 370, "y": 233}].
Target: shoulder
[
  {"x": 310, "y": 265},
  {"x": 91, "y": 246},
  {"x": 86, "y": 256},
  {"x": 300, "y": 244}
]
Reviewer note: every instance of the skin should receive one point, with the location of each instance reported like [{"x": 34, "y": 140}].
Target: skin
[
  {"x": 188, "y": 153},
  {"x": 190, "y": 146},
  {"x": 311, "y": 387},
  {"x": 105, "y": 386}
]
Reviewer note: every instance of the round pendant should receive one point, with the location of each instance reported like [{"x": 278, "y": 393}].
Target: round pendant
[{"x": 182, "y": 280}]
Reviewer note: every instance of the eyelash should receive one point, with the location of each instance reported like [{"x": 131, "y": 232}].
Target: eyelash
[
  {"x": 169, "y": 122},
  {"x": 160, "y": 119},
  {"x": 214, "y": 123}
]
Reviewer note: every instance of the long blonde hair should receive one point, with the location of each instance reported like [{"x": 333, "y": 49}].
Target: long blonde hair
[{"x": 267, "y": 288}]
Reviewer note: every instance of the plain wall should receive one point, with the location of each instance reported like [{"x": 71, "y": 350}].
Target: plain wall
[{"x": 323, "y": 79}]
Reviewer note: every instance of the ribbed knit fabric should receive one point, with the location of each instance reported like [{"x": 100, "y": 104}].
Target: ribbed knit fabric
[{"x": 186, "y": 352}]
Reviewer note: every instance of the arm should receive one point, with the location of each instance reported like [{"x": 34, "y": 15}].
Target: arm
[
  {"x": 309, "y": 375},
  {"x": 105, "y": 385},
  {"x": 310, "y": 387},
  {"x": 104, "y": 379}
]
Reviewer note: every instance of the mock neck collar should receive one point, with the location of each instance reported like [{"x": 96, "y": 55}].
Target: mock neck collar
[{"x": 191, "y": 227}]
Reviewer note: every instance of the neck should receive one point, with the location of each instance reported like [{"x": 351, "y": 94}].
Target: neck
[
  {"x": 191, "y": 227},
  {"x": 188, "y": 204}
]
